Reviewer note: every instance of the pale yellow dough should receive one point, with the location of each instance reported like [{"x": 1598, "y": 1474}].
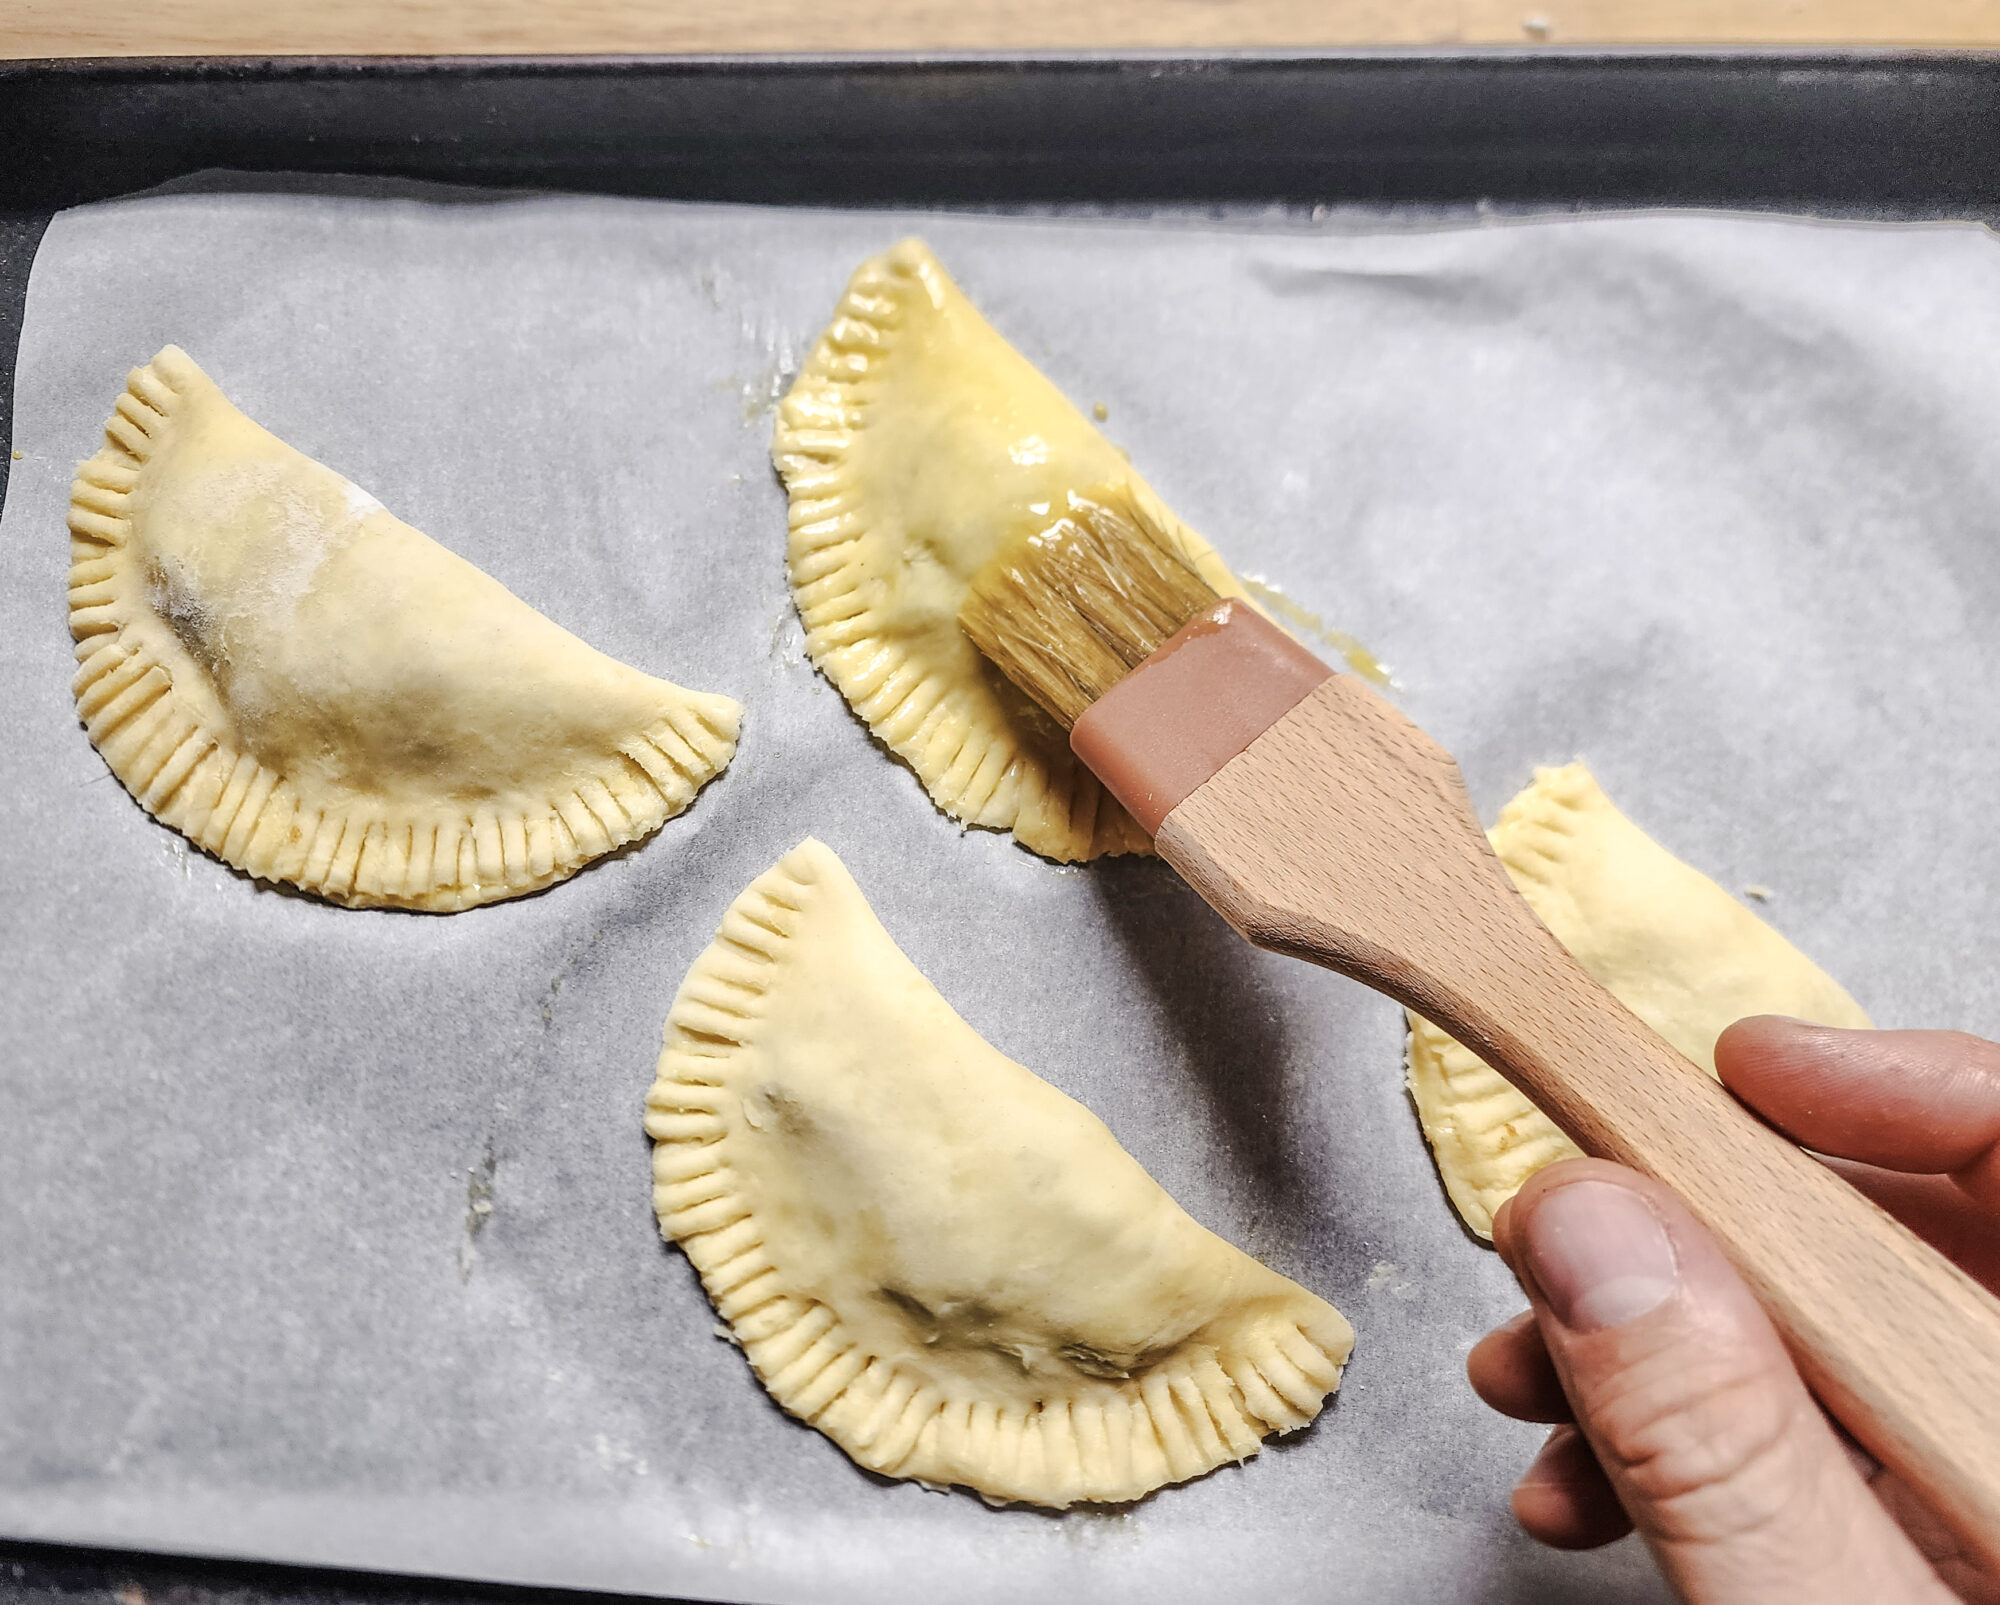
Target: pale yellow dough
[
  {"x": 1670, "y": 944},
  {"x": 915, "y": 443},
  {"x": 946, "y": 1265},
  {"x": 316, "y": 693}
]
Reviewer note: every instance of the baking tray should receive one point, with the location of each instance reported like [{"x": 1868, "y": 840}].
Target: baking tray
[{"x": 1912, "y": 136}]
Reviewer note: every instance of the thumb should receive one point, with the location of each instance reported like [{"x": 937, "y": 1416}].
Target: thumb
[{"x": 1691, "y": 1403}]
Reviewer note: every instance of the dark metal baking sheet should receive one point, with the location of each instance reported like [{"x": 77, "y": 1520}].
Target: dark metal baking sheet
[
  {"x": 1905, "y": 136},
  {"x": 1855, "y": 133},
  {"x": 1719, "y": 128}
]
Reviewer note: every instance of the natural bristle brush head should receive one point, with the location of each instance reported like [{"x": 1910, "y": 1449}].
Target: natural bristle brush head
[{"x": 1070, "y": 610}]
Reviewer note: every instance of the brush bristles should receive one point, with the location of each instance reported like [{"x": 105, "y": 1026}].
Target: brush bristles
[{"x": 1071, "y": 610}]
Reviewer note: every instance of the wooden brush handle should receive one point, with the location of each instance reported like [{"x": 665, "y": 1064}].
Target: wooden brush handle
[{"x": 1344, "y": 835}]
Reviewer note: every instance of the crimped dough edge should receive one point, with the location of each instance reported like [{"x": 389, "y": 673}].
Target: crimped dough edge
[
  {"x": 194, "y": 778},
  {"x": 1476, "y": 1120},
  {"x": 1112, "y": 1443},
  {"x": 989, "y": 779},
  {"x": 1485, "y": 1134},
  {"x": 1550, "y": 803}
]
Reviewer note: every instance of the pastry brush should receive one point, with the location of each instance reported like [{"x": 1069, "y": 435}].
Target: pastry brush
[{"x": 1320, "y": 822}]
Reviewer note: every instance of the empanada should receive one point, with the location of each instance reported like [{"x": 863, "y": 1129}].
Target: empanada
[
  {"x": 1670, "y": 944},
  {"x": 313, "y": 691},
  {"x": 932, "y": 1255},
  {"x": 914, "y": 444}
]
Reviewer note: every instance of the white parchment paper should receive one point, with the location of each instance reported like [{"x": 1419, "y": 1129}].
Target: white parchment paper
[{"x": 1709, "y": 501}]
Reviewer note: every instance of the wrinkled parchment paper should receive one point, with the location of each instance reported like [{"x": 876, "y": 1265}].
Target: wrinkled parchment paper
[{"x": 324, "y": 1235}]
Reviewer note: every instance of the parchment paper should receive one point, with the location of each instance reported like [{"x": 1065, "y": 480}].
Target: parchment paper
[{"x": 1708, "y": 501}]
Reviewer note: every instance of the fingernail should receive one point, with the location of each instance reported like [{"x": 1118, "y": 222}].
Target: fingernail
[{"x": 1599, "y": 1255}]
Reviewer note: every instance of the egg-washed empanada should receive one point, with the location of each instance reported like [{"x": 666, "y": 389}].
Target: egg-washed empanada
[
  {"x": 932, "y": 1255},
  {"x": 914, "y": 444},
  {"x": 1664, "y": 939},
  {"x": 313, "y": 691}
]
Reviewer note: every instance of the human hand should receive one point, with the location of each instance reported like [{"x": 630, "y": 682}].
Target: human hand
[{"x": 1680, "y": 1411}]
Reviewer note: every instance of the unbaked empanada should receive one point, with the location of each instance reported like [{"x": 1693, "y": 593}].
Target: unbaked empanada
[
  {"x": 915, "y": 443},
  {"x": 1670, "y": 944},
  {"x": 313, "y": 691},
  {"x": 944, "y": 1264}
]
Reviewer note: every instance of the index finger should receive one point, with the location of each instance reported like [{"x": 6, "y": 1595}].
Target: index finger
[{"x": 1926, "y": 1102}]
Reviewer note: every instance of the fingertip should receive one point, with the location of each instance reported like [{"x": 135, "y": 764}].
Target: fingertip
[
  {"x": 1751, "y": 1048},
  {"x": 1544, "y": 1214},
  {"x": 1599, "y": 1248},
  {"x": 1511, "y": 1371},
  {"x": 1511, "y": 1220},
  {"x": 1564, "y": 1499},
  {"x": 1922, "y": 1101}
]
